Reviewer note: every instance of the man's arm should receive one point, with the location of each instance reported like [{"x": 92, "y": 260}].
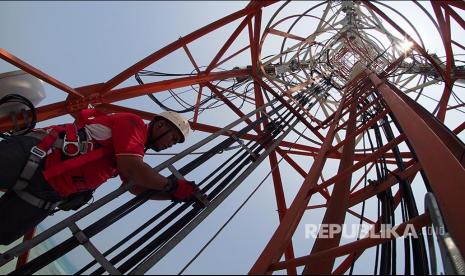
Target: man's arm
[
  {"x": 137, "y": 190},
  {"x": 134, "y": 169}
]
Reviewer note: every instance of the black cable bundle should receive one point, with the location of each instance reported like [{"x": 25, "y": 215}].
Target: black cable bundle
[
  {"x": 187, "y": 107},
  {"x": 387, "y": 264}
]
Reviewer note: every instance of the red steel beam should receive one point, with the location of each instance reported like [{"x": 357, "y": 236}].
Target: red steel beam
[
  {"x": 283, "y": 234},
  {"x": 197, "y": 104},
  {"x": 355, "y": 214},
  {"x": 363, "y": 177},
  {"x": 288, "y": 93},
  {"x": 129, "y": 72},
  {"x": 298, "y": 146},
  {"x": 281, "y": 204},
  {"x": 460, "y": 128},
  {"x": 291, "y": 162},
  {"x": 199, "y": 95},
  {"x": 299, "y": 169},
  {"x": 10, "y": 58},
  {"x": 358, "y": 156},
  {"x": 371, "y": 191},
  {"x": 312, "y": 207},
  {"x": 361, "y": 111},
  {"x": 361, "y": 129},
  {"x": 229, "y": 42},
  {"x": 336, "y": 211},
  {"x": 370, "y": 158},
  {"x": 454, "y": 144},
  {"x": 94, "y": 98},
  {"x": 255, "y": 45},
  {"x": 232, "y": 56},
  {"x": 455, "y": 3},
  {"x": 445, "y": 173},
  {"x": 150, "y": 88},
  {"x": 234, "y": 108},
  {"x": 461, "y": 47},
  {"x": 347, "y": 263},
  {"x": 254, "y": 37},
  {"x": 364, "y": 88},
  {"x": 456, "y": 106},
  {"x": 287, "y": 105},
  {"x": 284, "y": 34},
  {"x": 191, "y": 58},
  {"x": 22, "y": 260},
  {"x": 455, "y": 15},
  {"x": 444, "y": 26},
  {"x": 60, "y": 108}
]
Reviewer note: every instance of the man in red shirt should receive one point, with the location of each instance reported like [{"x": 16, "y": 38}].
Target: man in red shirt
[{"x": 59, "y": 165}]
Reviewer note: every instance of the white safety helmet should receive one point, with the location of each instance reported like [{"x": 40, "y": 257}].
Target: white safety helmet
[
  {"x": 179, "y": 121},
  {"x": 23, "y": 84}
]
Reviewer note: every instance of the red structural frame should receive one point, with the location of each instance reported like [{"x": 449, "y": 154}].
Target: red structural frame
[{"x": 420, "y": 130}]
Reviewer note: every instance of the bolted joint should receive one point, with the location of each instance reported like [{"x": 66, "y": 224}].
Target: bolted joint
[{"x": 75, "y": 105}]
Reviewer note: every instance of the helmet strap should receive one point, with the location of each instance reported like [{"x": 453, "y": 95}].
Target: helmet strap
[{"x": 149, "y": 143}]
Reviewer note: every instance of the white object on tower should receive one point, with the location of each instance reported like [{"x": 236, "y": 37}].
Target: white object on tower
[{"x": 20, "y": 83}]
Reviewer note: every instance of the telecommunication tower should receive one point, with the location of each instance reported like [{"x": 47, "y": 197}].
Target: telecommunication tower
[{"x": 350, "y": 84}]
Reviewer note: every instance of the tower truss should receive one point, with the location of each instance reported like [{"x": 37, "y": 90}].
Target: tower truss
[{"x": 349, "y": 86}]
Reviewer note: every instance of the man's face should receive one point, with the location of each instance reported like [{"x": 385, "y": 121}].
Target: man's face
[{"x": 164, "y": 136}]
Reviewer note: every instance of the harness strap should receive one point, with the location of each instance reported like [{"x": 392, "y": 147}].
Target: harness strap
[
  {"x": 38, "y": 153},
  {"x": 28, "y": 172},
  {"x": 37, "y": 202},
  {"x": 70, "y": 145},
  {"x": 47, "y": 143},
  {"x": 40, "y": 135}
]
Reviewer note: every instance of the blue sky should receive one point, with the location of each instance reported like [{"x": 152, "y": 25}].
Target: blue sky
[{"x": 82, "y": 43}]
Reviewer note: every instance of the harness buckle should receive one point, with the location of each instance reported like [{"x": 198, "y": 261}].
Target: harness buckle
[
  {"x": 38, "y": 152},
  {"x": 71, "y": 149},
  {"x": 86, "y": 147}
]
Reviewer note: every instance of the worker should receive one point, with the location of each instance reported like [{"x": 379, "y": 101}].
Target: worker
[{"x": 59, "y": 167}]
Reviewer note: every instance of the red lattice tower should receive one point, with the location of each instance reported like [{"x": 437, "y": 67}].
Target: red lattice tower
[{"x": 363, "y": 89}]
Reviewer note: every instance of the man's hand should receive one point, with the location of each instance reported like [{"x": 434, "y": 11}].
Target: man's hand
[
  {"x": 133, "y": 168},
  {"x": 181, "y": 189}
]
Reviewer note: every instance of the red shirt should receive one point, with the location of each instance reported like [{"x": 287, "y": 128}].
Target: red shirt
[{"x": 120, "y": 134}]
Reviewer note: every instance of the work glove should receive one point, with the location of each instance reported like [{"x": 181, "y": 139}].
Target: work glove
[{"x": 181, "y": 189}]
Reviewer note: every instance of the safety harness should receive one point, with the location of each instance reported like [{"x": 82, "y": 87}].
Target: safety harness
[{"x": 76, "y": 145}]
